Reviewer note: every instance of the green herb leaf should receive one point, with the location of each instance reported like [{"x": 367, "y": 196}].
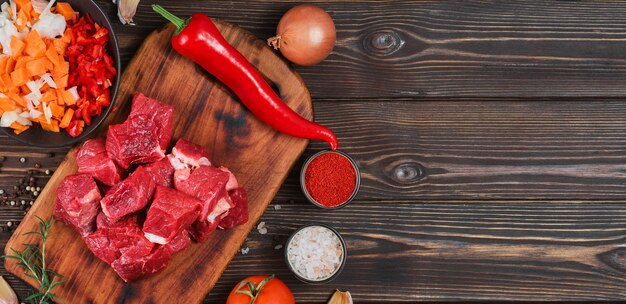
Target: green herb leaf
[{"x": 33, "y": 259}]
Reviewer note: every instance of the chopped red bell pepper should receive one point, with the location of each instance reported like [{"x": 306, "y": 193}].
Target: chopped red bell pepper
[{"x": 91, "y": 70}]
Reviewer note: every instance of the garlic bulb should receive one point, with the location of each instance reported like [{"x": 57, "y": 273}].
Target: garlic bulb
[
  {"x": 7, "y": 295},
  {"x": 341, "y": 297},
  {"x": 126, "y": 10}
]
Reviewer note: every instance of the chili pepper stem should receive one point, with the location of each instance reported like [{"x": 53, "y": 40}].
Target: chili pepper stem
[{"x": 178, "y": 22}]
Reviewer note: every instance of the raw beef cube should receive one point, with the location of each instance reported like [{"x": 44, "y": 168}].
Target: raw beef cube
[
  {"x": 232, "y": 183},
  {"x": 221, "y": 209},
  {"x": 208, "y": 184},
  {"x": 162, "y": 172},
  {"x": 180, "y": 242},
  {"x": 107, "y": 242},
  {"x": 130, "y": 195},
  {"x": 134, "y": 142},
  {"x": 170, "y": 213},
  {"x": 160, "y": 113},
  {"x": 92, "y": 159},
  {"x": 239, "y": 214},
  {"x": 186, "y": 154},
  {"x": 77, "y": 203},
  {"x": 133, "y": 264},
  {"x": 200, "y": 231}
]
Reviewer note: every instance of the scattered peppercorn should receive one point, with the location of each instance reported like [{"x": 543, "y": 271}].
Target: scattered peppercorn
[
  {"x": 22, "y": 160},
  {"x": 37, "y": 165},
  {"x": 47, "y": 172},
  {"x": 3, "y": 158},
  {"x": 50, "y": 154}
]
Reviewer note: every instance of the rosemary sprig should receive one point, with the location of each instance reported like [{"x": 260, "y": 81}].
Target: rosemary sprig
[{"x": 33, "y": 260}]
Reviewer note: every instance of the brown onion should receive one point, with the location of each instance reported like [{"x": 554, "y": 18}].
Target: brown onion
[{"x": 305, "y": 35}]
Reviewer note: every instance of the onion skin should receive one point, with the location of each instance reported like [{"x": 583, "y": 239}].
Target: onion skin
[{"x": 305, "y": 35}]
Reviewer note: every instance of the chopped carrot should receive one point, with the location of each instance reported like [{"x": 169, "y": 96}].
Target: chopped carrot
[
  {"x": 21, "y": 62},
  {"x": 17, "y": 99},
  {"x": 52, "y": 55},
  {"x": 67, "y": 118},
  {"x": 10, "y": 65},
  {"x": 57, "y": 110},
  {"x": 36, "y": 67},
  {"x": 19, "y": 77},
  {"x": 22, "y": 18},
  {"x": 62, "y": 69},
  {"x": 60, "y": 45},
  {"x": 22, "y": 129},
  {"x": 17, "y": 46},
  {"x": 24, "y": 89},
  {"x": 23, "y": 5},
  {"x": 35, "y": 46},
  {"x": 8, "y": 83},
  {"x": 69, "y": 98},
  {"x": 18, "y": 128},
  {"x": 3, "y": 64},
  {"x": 61, "y": 81},
  {"x": 67, "y": 36},
  {"x": 49, "y": 96},
  {"x": 66, "y": 10},
  {"x": 61, "y": 97},
  {"x": 48, "y": 64},
  {"x": 52, "y": 126},
  {"x": 7, "y": 105}
]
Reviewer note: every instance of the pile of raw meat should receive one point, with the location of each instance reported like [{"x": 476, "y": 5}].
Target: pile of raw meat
[{"x": 134, "y": 205}]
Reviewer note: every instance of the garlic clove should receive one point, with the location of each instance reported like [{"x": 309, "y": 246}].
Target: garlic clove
[
  {"x": 126, "y": 10},
  {"x": 7, "y": 295},
  {"x": 340, "y": 297}
]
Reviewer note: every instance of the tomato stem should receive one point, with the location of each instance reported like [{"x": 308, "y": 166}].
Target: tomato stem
[{"x": 253, "y": 290}]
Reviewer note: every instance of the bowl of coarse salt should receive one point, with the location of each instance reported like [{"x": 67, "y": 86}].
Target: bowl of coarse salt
[{"x": 315, "y": 253}]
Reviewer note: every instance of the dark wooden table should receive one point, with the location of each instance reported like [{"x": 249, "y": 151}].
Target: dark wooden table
[{"x": 491, "y": 138}]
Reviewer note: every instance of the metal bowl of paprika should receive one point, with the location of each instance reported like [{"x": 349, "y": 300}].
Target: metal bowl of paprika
[{"x": 330, "y": 179}]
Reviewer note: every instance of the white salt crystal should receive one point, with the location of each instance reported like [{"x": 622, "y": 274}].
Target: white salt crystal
[{"x": 315, "y": 253}]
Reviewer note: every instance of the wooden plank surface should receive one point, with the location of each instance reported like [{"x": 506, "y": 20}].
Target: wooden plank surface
[
  {"x": 208, "y": 115},
  {"x": 442, "y": 48},
  {"x": 490, "y": 197}
]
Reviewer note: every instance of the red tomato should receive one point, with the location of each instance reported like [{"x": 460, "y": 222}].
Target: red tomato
[{"x": 274, "y": 291}]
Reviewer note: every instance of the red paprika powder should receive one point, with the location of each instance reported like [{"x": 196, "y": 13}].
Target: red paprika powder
[{"x": 330, "y": 179}]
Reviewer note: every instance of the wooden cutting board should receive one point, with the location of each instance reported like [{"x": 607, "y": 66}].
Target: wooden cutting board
[{"x": 209, "y": 115}]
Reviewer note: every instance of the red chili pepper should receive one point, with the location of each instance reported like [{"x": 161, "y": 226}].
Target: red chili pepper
[{"x": 199, "y": 39}]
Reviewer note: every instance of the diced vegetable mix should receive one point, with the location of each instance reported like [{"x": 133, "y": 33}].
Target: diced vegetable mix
[{"x": 54, "y": 69}]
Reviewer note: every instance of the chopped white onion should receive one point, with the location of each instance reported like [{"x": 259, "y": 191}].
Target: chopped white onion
[
  {"x": 48, "y": 79},
  {"x": 34, "y": 86},
  {"x": 24, "y": 121},
  {"x": 50, "y": 25},
  {"x": 32, "y": 99},
  {"x": 5, "y": 9},
  {"x": 7, "y": 30},
  {"x": 39, "y": 5},
  {"x": 13, "y": 10},
  {"x": 34, "y": 114},
  {"x": 8, "y": 118},
  {"x": 74, "y": 92},
  {"x": 47, "y": 112}
]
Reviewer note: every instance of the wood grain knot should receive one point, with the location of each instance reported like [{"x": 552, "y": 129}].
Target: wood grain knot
[
  {"x": 407, "y": 173},
  {"x": 616, "y": 259},
  {"x": 382, "y": 42}
]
